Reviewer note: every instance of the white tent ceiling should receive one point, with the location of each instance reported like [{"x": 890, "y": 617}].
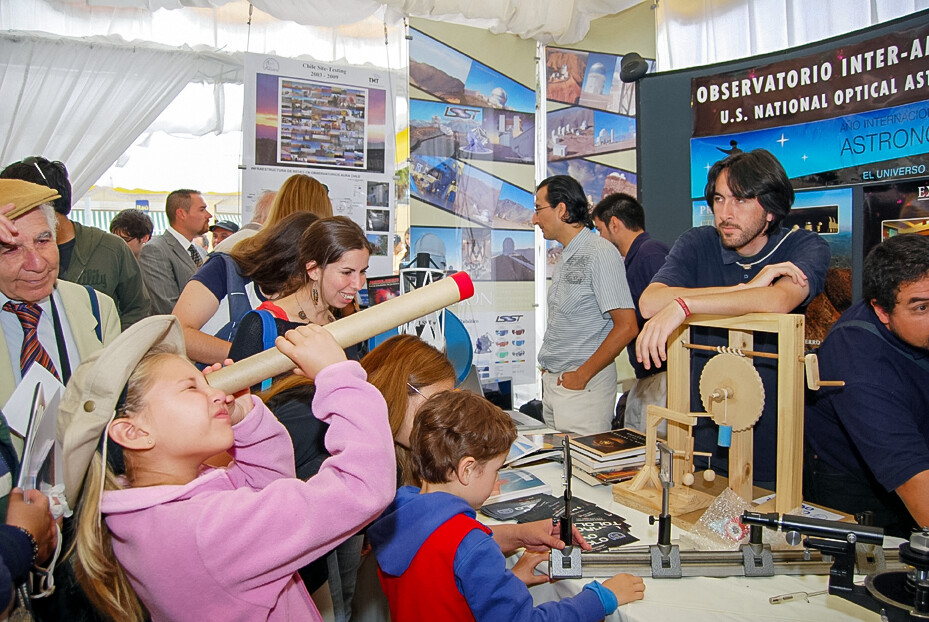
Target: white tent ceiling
[{"x": 548, "y": 21}]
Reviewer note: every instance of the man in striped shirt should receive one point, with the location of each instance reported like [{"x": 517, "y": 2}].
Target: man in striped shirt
[{"x": 591, "y": 316}]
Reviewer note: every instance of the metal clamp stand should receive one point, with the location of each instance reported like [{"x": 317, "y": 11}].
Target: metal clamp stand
[
  {"x": 566, "y": 563},
  {"x": 830, "y": 538},
  {"x": 665, "y": 557},
  {"x": 756, "y": 556},
  {"x": 431, "y": 327},
  {"x": 755, "y": 559}
]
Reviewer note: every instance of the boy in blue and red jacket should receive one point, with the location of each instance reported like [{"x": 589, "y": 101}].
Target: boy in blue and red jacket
[{"x": 435, "y": 560}]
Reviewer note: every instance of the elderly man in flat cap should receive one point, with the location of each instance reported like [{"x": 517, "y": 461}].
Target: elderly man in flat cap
[
  {"x": 87, "y": 255},
  {"x": 44, "y": 321}
]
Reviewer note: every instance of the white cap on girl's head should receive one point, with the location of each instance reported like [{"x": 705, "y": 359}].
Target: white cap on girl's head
[{"x": 89, "y": 401}]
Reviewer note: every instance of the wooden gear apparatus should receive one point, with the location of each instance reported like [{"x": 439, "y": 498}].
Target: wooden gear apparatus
[{"x": 732, "y": 393}]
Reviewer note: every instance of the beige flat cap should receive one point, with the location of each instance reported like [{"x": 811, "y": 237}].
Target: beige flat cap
[{"x": 24, "y": 195}]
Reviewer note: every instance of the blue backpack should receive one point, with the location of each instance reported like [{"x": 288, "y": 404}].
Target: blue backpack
[{"x": 239, "y": 303}]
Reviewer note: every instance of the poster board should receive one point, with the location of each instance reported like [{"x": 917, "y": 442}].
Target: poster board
[{"x": 331, "y": 121}]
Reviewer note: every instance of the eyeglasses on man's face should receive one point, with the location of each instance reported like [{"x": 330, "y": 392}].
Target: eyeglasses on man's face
[{"x": 128, "y": 239}]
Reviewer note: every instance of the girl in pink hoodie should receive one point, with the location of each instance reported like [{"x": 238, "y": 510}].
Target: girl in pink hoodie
[{"x": 198, "y": 543}]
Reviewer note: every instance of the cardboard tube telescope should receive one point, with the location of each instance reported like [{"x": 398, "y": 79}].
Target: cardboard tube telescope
[{"x": 350, "y": 330}]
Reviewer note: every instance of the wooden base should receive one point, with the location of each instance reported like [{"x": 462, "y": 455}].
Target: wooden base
[
  {"x": 682, "y": 500},
  {"x": 687, "y": 502},
  {"x": 691, "y": 499}
]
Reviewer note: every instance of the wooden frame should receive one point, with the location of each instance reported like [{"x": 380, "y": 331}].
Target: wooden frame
[{"x": 790, "y": 375}]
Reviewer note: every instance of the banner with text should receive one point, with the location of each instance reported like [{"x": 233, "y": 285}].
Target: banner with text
[{"x": 885, "y": 71}]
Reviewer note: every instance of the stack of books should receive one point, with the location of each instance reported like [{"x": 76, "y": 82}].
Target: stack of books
[{"x": 608, "y": 457}]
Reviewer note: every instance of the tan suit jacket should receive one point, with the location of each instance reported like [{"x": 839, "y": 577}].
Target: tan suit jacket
[{"x": 76, "y": 304}]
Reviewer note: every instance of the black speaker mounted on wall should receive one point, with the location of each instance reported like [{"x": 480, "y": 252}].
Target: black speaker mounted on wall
[{"x": 632, "y": 67}]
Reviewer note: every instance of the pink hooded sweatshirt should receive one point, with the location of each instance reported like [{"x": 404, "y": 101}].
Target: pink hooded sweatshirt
[{"x": 227, "y": 545}]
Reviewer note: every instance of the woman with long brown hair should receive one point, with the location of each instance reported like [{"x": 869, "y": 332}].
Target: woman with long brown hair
[
  {"x": 333, "y": 260},
  {"x": 333, "y": 257},
  {"x": 267, "y": 265},
  {"x": 407, "y": 371}
]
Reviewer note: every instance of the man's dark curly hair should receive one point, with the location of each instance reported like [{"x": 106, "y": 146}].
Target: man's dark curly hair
[
  {"x": 755, "y": 175},
  {"x": 892, "y": 264},
  {"x": 565, "y": 189}
]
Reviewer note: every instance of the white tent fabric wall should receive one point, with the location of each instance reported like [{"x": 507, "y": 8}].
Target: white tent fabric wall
[
  {"x": 561, "y": 22},
  {"x": 209, "y": 99},
  {"x": 224, "y": 28},
  {"x": 692, "y": 33},
  {"x": 54, "y": 93},
  {"x": 166, "y": 161},
  {"x": 103, "y": 114}
]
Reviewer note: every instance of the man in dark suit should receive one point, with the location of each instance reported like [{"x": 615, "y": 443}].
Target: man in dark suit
[{"x": 170, "y": 259}]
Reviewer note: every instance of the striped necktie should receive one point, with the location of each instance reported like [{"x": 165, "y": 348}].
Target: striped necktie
[
  {"x": 195, "y": 255},
  {"x": 28, "y": 314}
]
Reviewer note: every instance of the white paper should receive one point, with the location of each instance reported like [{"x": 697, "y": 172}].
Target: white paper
[
  {"x": 39, "y": 443},
  {"x": 523, "y": 446},
  {"x": 807, "y": 510},
  {"x": 17, "y": 408}
]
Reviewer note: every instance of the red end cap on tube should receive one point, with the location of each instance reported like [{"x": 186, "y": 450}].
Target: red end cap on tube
[{"x": 465, "y": 285}]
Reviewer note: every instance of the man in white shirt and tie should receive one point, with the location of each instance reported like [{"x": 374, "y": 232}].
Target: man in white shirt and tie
[{"x": 170, "y": 259}]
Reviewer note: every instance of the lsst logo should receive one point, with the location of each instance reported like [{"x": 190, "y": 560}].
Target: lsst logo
[
  {"x": 457, "y": 112},
  {"x": 509, "y": 318}
]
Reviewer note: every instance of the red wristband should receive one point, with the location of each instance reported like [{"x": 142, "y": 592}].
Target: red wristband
[{"x": 683, "y": 304}]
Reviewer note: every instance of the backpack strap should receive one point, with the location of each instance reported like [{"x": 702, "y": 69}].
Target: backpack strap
[
  {"x": 95, "y": 309},
  {"x": 268, "y": 335},
  {"x": 236, "y": 295}
]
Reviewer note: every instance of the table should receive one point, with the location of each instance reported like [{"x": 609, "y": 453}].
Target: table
[{"x": 698, "y": 599}]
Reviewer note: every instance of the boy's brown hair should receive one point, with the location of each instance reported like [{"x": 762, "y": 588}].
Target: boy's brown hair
[{"x": 452, "y": 425}]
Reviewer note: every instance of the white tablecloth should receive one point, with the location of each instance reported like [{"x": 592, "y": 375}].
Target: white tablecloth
[{"x": 699, "y": 599}]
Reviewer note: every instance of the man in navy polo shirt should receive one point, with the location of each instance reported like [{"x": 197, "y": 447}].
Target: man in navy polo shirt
[
  {"x": 747, "y": 263},
  {"x": 867, "y": 443},
  {"x": 620, "y": 219}
]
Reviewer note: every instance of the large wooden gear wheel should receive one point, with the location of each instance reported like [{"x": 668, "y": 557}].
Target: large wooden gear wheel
[{"x": 731, "y": 391}]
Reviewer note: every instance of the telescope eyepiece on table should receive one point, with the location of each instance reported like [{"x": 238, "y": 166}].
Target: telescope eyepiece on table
[{"x": 815, "y": 527}]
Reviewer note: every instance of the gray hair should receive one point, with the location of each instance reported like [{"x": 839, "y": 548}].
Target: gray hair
[{"x": 49, "y": 211}]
